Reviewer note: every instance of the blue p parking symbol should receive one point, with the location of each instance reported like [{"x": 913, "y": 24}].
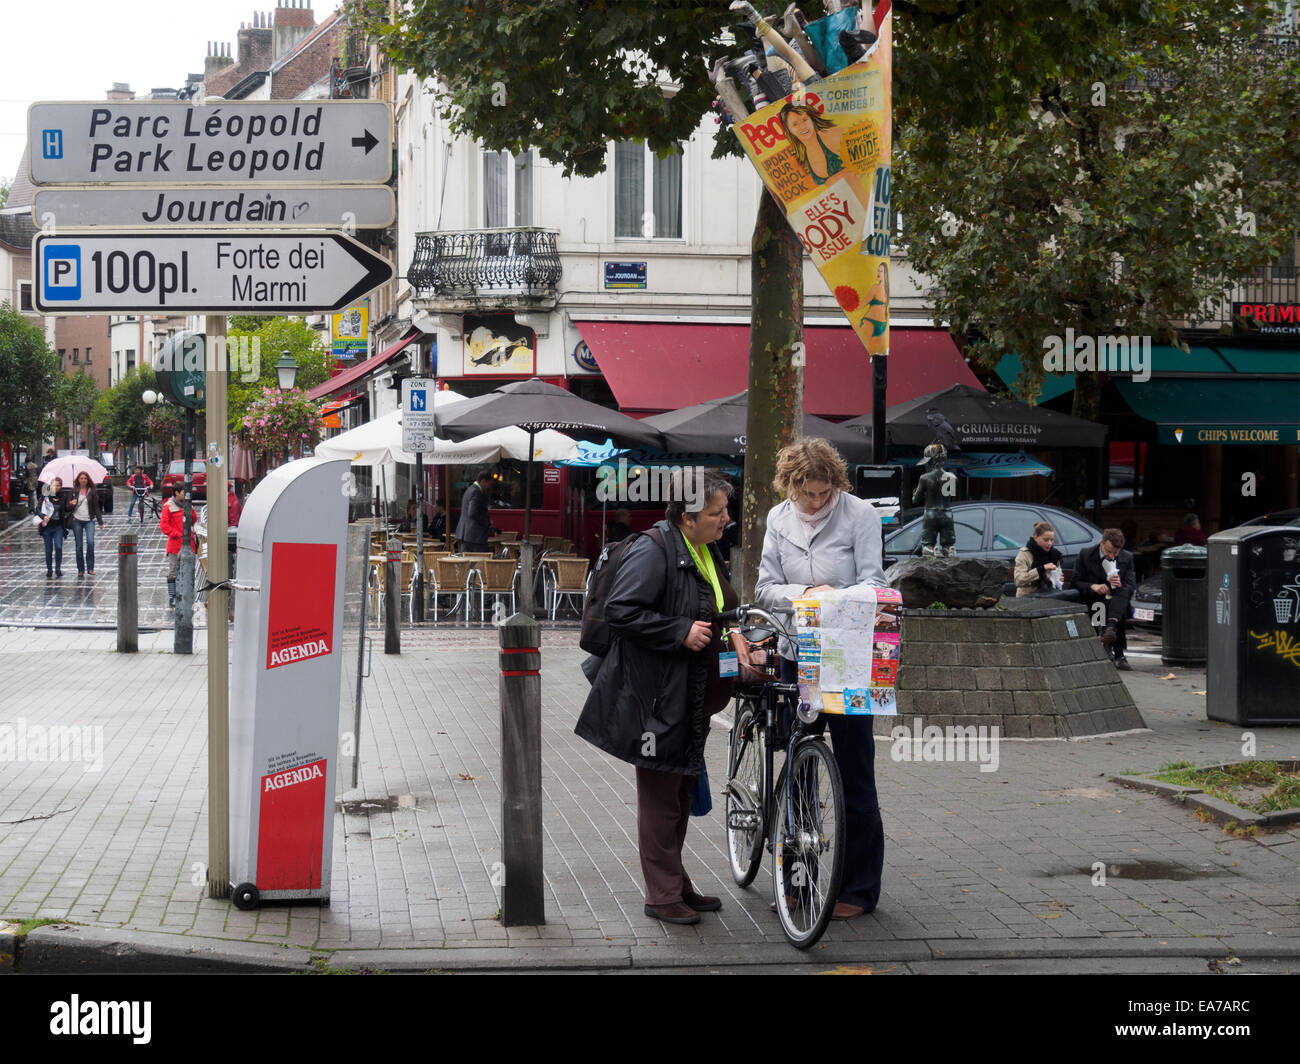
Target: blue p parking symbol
[{"x": 62, "y": 273}]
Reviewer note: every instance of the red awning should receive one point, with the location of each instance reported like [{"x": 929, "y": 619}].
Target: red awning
[
  {"x": 350, "y": 376},
  {"x": 652, "y": 367}
]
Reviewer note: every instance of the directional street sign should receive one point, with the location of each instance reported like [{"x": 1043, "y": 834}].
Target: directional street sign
[
  {"x": 188, "y": 272},
  {"x": 418, "y": 424},
  {"x": 223, "y": 207},
  {"x": 153, "y": 141}
]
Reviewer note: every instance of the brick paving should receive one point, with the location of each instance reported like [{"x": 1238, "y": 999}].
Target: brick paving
[
  {"x": 28, "y": 598},
  {"x": 977, "y": 864}
]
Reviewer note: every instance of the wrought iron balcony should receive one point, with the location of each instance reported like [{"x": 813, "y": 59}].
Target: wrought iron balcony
[
  {"x": 1267, "y": 285},
  {"x": 472, "y": 268}
]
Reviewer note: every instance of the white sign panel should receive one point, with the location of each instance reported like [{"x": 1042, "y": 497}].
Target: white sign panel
[
  {"x": 418, "y": 424},
  {"x": 225, "y": 207},
  {"x": 151, "y": 141},
  {"x": 273, "y": 273}
]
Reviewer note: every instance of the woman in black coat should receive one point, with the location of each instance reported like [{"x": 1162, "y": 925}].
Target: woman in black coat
[{"x": 651, "y": 701}]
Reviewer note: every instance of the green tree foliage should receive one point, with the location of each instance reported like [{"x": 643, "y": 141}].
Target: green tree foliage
[
  {"x": 29, "y": 380},
  {"x": 565, "y": 77},
  {"x": 273, "y": 337},
  {"x": 121, "y": 413},
  {"x": 74, "y": 399}
]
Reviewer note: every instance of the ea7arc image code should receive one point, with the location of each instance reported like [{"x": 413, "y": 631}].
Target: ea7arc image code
[{"x": 274, "y": 273}]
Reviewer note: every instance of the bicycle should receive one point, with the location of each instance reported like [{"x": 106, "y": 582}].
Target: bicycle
[
  {"x": 144, "y": 499},
  {"x": 800, "y": 818}
]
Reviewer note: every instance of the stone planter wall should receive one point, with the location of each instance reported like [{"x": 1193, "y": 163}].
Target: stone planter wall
[{"x": 1039, "y": 672}]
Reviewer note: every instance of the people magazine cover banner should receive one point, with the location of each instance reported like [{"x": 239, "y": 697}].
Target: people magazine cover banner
[{"x": 824, "y": 152}]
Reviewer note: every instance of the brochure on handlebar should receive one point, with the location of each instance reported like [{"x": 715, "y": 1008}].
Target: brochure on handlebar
[{"x": 849, "y": 644}]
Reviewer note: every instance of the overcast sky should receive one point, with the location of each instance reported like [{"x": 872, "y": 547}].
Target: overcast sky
[{"x": 76, "y": 49}]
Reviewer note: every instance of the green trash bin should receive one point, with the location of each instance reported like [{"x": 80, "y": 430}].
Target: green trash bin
[{"x": 1183, "y": 605}]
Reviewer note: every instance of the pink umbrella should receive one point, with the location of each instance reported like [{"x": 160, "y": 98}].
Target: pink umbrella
[{"x": 67, "y": 468}]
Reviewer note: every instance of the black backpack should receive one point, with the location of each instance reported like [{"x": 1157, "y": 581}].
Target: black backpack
[{"x": 595, "y": 637}]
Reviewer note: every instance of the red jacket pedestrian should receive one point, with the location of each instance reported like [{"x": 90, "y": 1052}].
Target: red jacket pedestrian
[{"x": 233, "y": 509}]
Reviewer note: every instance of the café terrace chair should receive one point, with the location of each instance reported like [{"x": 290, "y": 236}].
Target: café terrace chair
[
  {"x": 570, "y": 581},
  {"x": 451, "y": 579},
  {"x": 497, "y": 577}
]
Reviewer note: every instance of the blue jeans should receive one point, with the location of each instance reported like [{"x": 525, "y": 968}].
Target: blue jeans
[
  {"x": 53, "y": 536},
  {"x": 135, "y": 498},
  {"x": 87, "y": 529}
]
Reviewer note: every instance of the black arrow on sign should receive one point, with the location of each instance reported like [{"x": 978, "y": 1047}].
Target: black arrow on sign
[{"x": 367, "y": 142}]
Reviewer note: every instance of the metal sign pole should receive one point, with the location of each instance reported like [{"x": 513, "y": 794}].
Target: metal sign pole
[{"x": 218, "y": 610}]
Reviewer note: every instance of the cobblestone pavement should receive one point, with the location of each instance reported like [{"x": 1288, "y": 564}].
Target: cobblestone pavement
[
  {"x": 977, "y": 863},
  {"x": 28, "y": 598}
]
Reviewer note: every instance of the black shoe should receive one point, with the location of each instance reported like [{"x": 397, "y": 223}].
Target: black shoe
[
  {"x": 1108, "y": 636},
  {"x": 701, "y": 903},
  {"x": 856, "y": 43},
  {"x": 58, "y": 572},
  {"x": 49, "y": 574},
  {"x": 676, "y": 913},
  {"x": 1122, "y": 664}
]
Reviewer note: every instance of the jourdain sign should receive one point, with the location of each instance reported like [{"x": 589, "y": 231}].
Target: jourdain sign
[
  {"x": 244, "y": 141},
  {"x": 202, "y": 272},
  {"x": 221, "y": 207}
]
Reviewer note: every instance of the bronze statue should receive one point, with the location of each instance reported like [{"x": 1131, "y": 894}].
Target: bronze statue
[{"x": 938, "y": 537}]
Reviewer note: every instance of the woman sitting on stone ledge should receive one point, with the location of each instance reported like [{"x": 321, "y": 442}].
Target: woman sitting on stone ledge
[{"x": 1038, "y": 566}]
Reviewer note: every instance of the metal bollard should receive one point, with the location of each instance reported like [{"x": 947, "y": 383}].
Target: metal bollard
[
  {"x": 520, "y": 873},
  {"x": 128, "y": 595},
  {"x": 393, "y": 598}
]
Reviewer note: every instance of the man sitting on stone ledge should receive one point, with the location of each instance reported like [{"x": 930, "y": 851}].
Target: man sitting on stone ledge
[{"x": 1105, "y": 574}]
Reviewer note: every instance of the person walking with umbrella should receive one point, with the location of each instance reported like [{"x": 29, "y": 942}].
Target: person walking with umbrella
[
  {"x": 85, "y": 515},
  {"x": 53, "y": 513}
]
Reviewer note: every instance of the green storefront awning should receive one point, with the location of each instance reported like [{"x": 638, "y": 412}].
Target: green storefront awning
[
  {"x": 1163, "y": 359},
  {"x": 1262, "y": 359},
  {"x": 1218, "y": 410}
]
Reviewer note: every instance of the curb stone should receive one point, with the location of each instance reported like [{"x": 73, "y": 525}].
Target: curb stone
[
  {"x": 67, "y": 948},
  {"x": 8, "y": 947}
]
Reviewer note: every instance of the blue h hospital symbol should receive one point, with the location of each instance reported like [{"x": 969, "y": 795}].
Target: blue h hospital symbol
[{"x": 52, "y": 143}]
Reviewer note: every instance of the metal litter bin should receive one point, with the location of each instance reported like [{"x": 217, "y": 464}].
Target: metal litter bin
[
  {"x": 1253, "y": 615},
  {"x": 1182, "y": 587}
]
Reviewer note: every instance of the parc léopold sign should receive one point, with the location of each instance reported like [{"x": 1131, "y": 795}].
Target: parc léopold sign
[
  {"x": 149, "y": 141},
  {"x": 250, "y": 166}
]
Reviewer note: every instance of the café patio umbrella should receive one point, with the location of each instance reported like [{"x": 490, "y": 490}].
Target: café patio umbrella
[
  {"x": 979, "y": 420},
  {"x": 718, "y": 426},
  {"x": 535, "y": 406}
]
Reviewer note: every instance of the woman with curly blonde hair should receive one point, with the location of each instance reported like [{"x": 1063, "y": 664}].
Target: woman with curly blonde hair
[{"x": 823, "y": 538}]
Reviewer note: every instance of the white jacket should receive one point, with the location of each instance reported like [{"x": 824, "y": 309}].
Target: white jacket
[{"x": 845, "y": 551}]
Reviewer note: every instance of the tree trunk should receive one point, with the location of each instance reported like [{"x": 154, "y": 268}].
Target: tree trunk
[{"x": 775, "y": 373}]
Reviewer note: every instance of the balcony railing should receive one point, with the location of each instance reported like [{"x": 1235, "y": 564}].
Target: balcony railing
[
  {"x": 1269, "y": 284},
  {"x": 519, "y": 266}
]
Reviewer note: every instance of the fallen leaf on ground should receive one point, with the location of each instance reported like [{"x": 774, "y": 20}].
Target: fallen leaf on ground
[
  {"x": 1171, "y": 676},
  {"x": 466, "y": 776},
  {"x": 1048, "y": 916}
]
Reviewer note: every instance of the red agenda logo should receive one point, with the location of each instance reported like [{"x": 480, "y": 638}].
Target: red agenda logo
[{"x": 300, "y": 623}]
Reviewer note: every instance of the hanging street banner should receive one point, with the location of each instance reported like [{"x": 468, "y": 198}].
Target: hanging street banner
[
  {"x": 244, "y": 141},
  {"x": 221, "y": 207},
  {"x": 824, "y": 153},
  {"x": 202, "y": 272}
]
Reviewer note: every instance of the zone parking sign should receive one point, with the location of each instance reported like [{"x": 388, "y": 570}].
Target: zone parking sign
[{"x": 62, "y": 272}]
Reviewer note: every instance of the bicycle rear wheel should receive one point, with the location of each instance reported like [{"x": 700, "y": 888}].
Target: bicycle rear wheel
[
  {"x": 808, "y": 843},
  {"x": 744, "y": 794}
]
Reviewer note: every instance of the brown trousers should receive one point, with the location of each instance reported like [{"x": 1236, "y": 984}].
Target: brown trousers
[{"x": 663, "y": 812}]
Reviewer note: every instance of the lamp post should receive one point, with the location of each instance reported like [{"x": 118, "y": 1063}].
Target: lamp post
[
  {"x": 183, "y": 638},
  {"x": 286, "y": 372}
]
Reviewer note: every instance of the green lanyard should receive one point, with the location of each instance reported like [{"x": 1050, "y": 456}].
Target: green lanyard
[{"x": 704, "y": 562}]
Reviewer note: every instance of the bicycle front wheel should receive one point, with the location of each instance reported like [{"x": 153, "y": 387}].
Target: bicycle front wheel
[
  {"x": 808, "y": 843},
  {"x": 745, "y": 794}
]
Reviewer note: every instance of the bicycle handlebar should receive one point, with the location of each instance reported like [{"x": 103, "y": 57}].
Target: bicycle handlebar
[{"x": 742, "y": 614}]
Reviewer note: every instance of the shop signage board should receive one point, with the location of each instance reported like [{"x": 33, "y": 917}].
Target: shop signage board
[
  {"x": 244, "y": 141},
  {"x": 221, "y": 207},
  {"x": 202, "y": 272}
]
